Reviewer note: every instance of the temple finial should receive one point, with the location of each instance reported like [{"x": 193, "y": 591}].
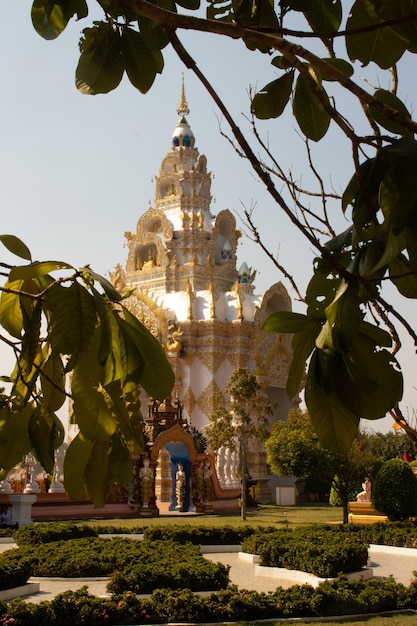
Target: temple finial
[{"x": 182, "y": 105}]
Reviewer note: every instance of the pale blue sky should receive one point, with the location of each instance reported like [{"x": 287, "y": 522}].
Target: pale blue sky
[{"x": 76, "y": 171}]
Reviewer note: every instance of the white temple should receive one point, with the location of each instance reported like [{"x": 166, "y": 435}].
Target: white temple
[{"x": 194, "y": 296}]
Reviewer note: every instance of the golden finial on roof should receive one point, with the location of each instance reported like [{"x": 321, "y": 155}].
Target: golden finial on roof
[{"x": 182, "y": 105}]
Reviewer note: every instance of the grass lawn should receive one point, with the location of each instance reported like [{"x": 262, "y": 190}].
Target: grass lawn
[
  {"x": 389, "y": 620},
  {"x": 264, "y": 515}
]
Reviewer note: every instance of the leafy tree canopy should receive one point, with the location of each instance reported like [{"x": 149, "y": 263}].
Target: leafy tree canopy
[
  {"x": 76, "y": 324},
  {"x": 293, "y": 449},
  {"x": 348, "y": 335}
]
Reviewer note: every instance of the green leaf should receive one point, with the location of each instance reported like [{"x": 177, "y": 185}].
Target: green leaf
[
  {"x": 154, "y": 35},
  {"x": 51, "y": 17},
  {"x": 120, "y": 463},
  {"x": 101, "y": 64},
  {"x": 110, "y": 291},
  {"x": 403, "y": 277},
  {"x": 109, "y": 461},
  {"x": 31, "y": 337},
  {"x": 11, "y": 318},
  {"x": 46, "y": 434},
  {"x": 25, "y": 376},
  {"x": 391, "y": 100},
  {"x": 158, "y": 377},
  {"x": 14, "y": 436},
  {"x": 37, "y": 269},
  {"x": 322, "y": 288},
  {"x": 91, "y": 411},
  {"x": 16, "y": 246},
  {"x": 282, "y": 63},
  {"x": 97, "y": 479},
  {"x": 114, "y": 366},
  {"x": 73, "y": 318},
  {"x": 378, "y": 365},
  {"x": 325, "y": 16},
  {"x": 75, "y": 463},
  {"x": 398, "y": 194},
  {"x": 105, "y": 315},
  {"x": 302, "y": 346},
  {"x": 48, "y": 19},
  {"x": 379, "y": 336},
  {"x": 328, "y": 367},
  {"x": 131, "y": 431},
  {"x": 285, "y": 322},
  {"x": 335, "y": 425},
  {"x": 345, "y": 316},
  {"x": 141, "y": 62},
  {"x": 271, "y": 101},
  {"x": 385, "y": 46},
  {"x": 340, "y": 241},
  {"x": 339, "y": 64},
  {"x": 364, "y": 187},
  {"x": 125, "y": 357},
  {"x": 52, "y": 380},
  {"x": 309, "y": 112}
]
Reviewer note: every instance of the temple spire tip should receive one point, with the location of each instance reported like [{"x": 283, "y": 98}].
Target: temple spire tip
[{"x": 182, "y": 105}]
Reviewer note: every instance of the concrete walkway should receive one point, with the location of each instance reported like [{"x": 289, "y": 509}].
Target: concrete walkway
[{"x": 400, "y": 563}]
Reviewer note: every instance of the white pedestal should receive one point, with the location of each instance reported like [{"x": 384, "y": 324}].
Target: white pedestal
[
  {"x": 285, "y": 496},
  {"x": 22, "y": 508},
  {"x": 56, "y": 487}
]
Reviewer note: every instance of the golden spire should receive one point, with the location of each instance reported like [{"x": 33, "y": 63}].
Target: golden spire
[{"x": 182, "y": 105}]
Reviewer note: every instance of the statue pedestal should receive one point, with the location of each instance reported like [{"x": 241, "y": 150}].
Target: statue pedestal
[
  {"x": 22, "y": 509},
  {"x": 56, "y": 487}
]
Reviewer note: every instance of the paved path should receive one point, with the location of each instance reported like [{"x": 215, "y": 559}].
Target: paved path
[{"x": 385, "y": 562}]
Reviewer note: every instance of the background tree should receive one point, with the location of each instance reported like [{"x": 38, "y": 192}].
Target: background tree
[
  {"x": 293, "y": 449},
  {"x": 391, "y": 445},
  {"x": 239, "y": 419},
  {"x": 395, "y": 490},
  {"x": 348, "y": 334},
  {"x": 74, "y": 325}
]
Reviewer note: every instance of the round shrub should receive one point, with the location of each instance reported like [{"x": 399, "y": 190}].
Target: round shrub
[{"x": 394, "y": 491}]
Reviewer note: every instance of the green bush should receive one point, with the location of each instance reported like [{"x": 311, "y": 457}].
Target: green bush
[
  {"x": 14, "y": 572},
  {"x": 45, "y": 532},
  {"x": 394, "y": 491},
  {"x": 319, "y": 550},
  {"x": 200, "y": 535},
  {"x": 166, "y": 564},
  {"x": 141, "y": 566}
]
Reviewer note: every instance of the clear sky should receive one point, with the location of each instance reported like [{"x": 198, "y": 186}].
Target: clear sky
[{"x": 77, "y": 171}]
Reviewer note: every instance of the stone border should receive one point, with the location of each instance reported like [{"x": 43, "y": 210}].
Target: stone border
[
  {"x": 301, "y": 578},
  {"x": 18, "y": 592},
  {"x": 296, "y": 576}
]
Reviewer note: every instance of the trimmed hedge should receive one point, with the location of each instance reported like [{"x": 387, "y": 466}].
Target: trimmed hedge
[
  {"x": 338, "y": 597},
  {"x": 45, "y": 532},
  {"x": 138, "y": 565},
  {"x": 322, "y": 551},
  {"x": 14, "y": 572},
  {"x": 202, "y": 535}
]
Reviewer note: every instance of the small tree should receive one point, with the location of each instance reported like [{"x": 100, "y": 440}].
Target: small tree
[
  {"x": 240, "y": 417},
  {"x": 395, "y": 490},
  {"x": 294, "y": 449}
]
